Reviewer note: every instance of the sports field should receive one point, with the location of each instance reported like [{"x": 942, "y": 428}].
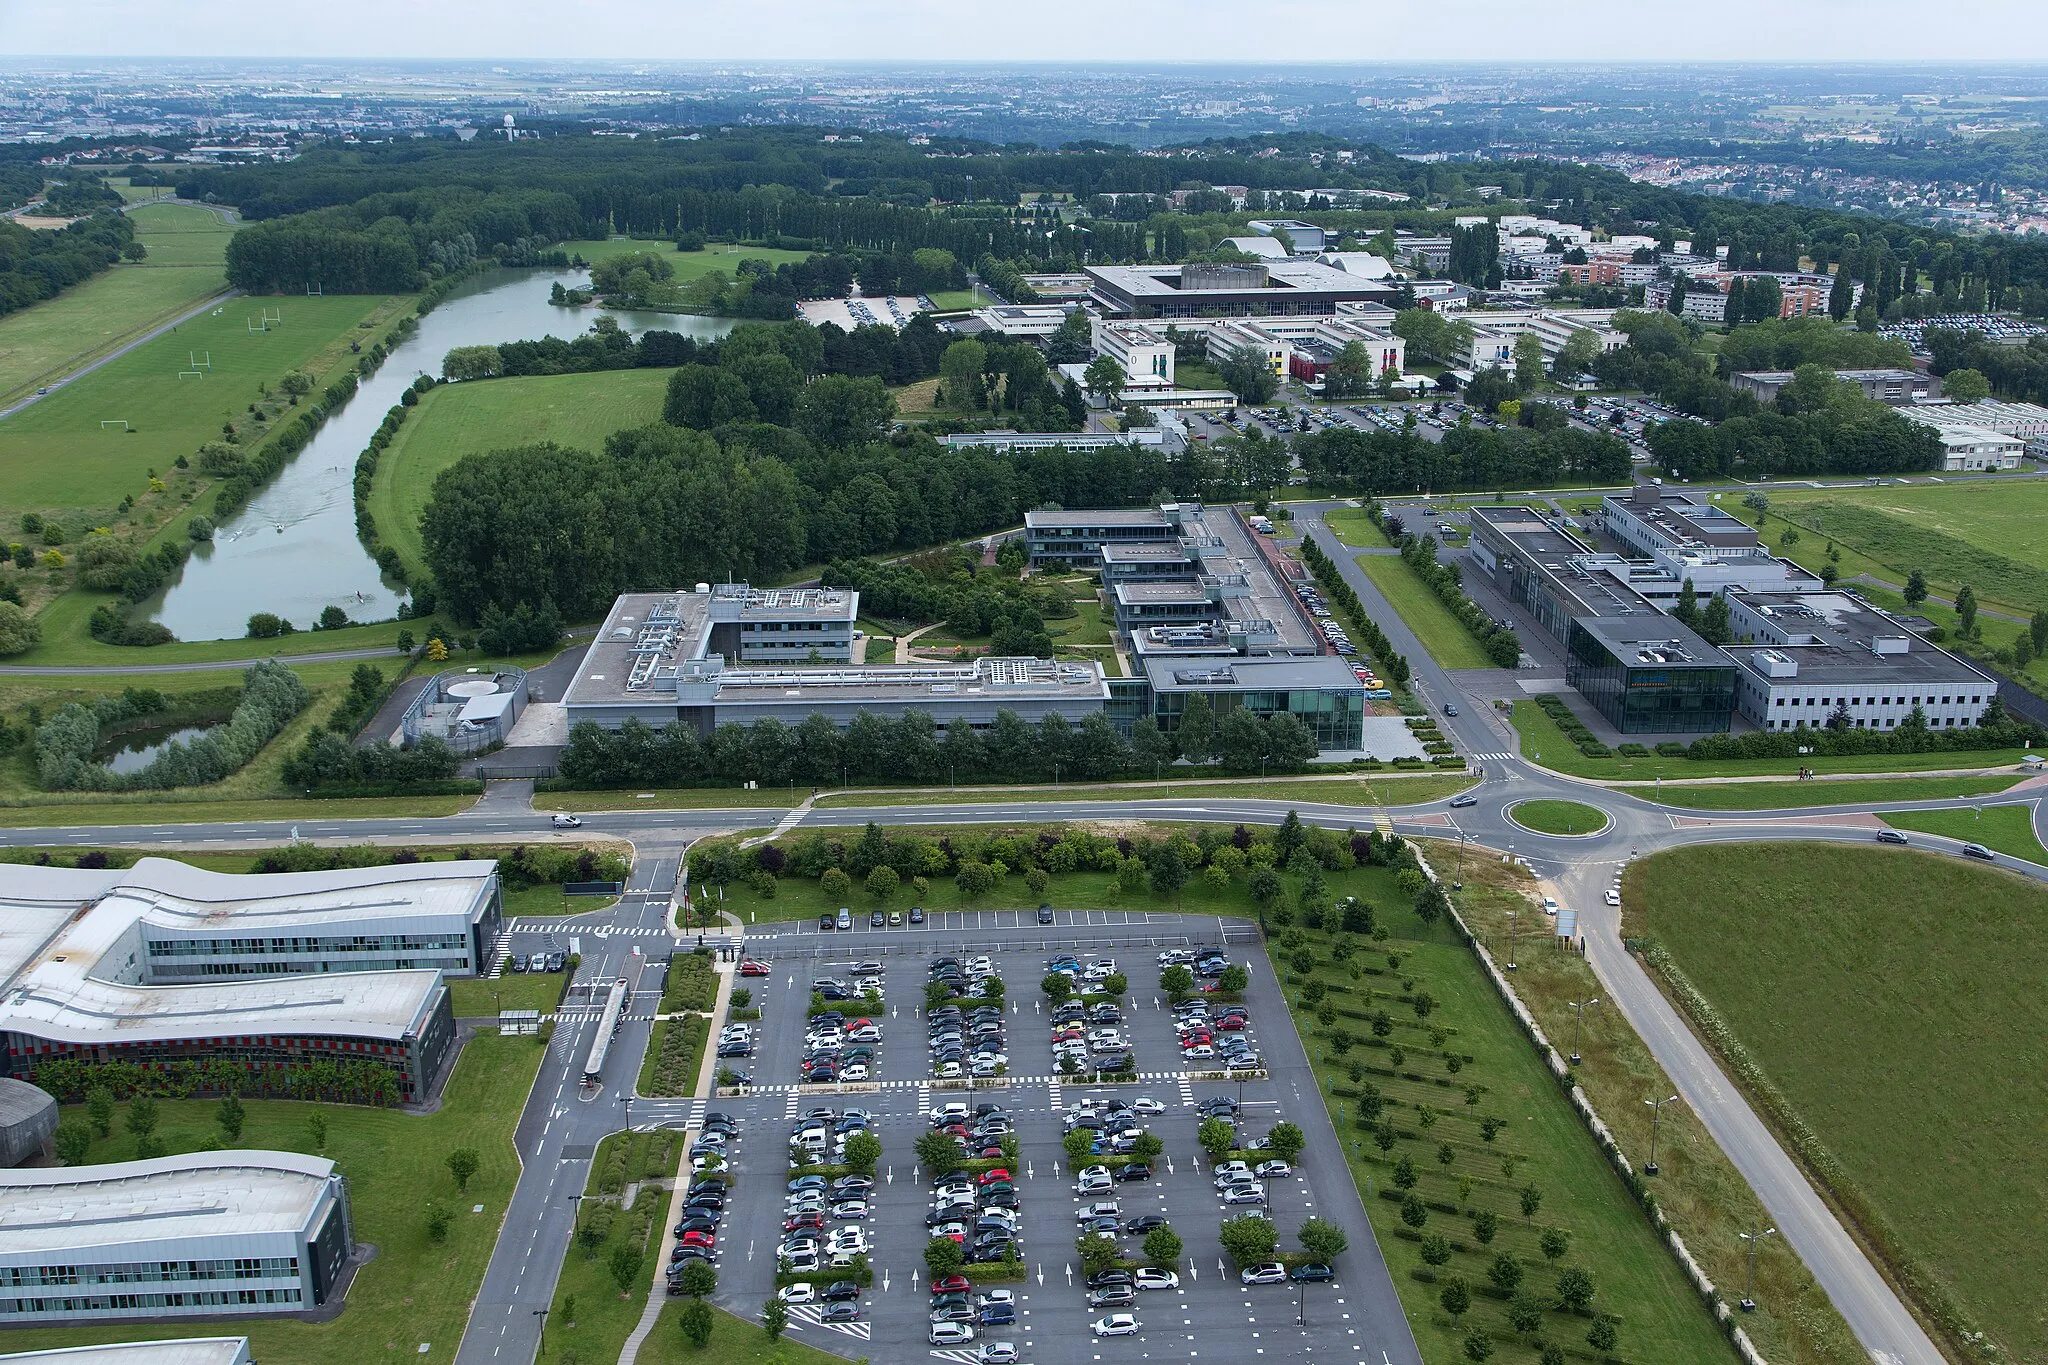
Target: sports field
[
  {"x": 1893, "y": 998},
  {"x": 186, "y": 248},
  {"x": 1446, "y": 639},
  {"x": 57, "y": 455},
  {"x": 454, "y": 420}
]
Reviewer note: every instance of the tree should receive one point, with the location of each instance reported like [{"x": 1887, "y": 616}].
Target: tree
[
  {"x": 863, "y": 1150},
  {"x": 1456, "y": 1297},
  {"x": 1234, "y": 978},
  {"x": 1287, "y": 1140},
  {"x": 230, "y": 1115},
  {"x": 1248, "y": 373},
  {"x": 142, "y": 1115},
  {"x": 840, "y": 412},
  {"x": 1265, "y": 887},
  {"x": 1916, "y": 588},
  {"x": 975, "y": 881},
  {"x": 623, "y": 1262},
  {"x": 1688, "y": 608},
  {"x": 1104, "y": 379},
  {"x": 1525, "y": 1312},
  {"x": 439, "y": 1220},
  {"x": 774, "y": 1317},
  {"x": 1216, "y": 1137},
  {"x": 1528, "y": 361},
  {"x": 1436, "y": 1249},
  {"x": 74, "y": 1143},
  {"x": 1177, "y": 981},
  {"x": 1057, "y": 986},
  {"x": 1714, "y": 627},
  {"x": 18, "y": 630},
  {"x": 1413, "y": 1212},
  {"x": 1485, "y": 1226},
  {"x": 1842, "y": 297},
  {"x": 1079, "y": 1145},
  {"x": 1554, "y": 1243},
  {"x": 1169, "y": 871},
  {"x": 1249, "y": 1240},
  {"x": 1322, "y": 1240},
  {"x": 882, "y": 882},
  {"x": 462, "y": 1164},
  {"x": 1966, "y": 386},
  {"x": 1478, "y": 1344},
  {"x": 1966, "y": 610},
  {"x": 960, "y": 370},
  {"x": 943, "y": 1256},
  {"x": 99, "y": 1110},
  {"x": 1505, "y": 1272},
  {"x": 1601, "y": 1336},
  {"x": 1574, "y": 1289},
  {"x": 835, "y": 883},
  {"x": 1196, "y": 736},
  {"x": 697, "y": 1320},
  {"x": 1163, "y": 1247},
  {"x": 698, "y": 1279},
  {"x": 1532, "y": 1200},
  {"x": 939, "y": 1152},
  {"x": 1097, "y": 1250}
]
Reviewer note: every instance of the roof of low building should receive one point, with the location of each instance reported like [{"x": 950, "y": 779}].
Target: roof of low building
[{"x": 196, "y": 1194}]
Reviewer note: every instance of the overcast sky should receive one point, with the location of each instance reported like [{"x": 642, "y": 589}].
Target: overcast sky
[{"x": 1071, "y": 30}]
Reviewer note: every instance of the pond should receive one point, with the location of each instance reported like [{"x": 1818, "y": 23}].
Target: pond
[
  {"x": 137, "y": 749},
  {"x": 293, "y": 549}
]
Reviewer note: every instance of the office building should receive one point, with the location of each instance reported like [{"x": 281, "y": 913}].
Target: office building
[
  {"x": 1811, "y": 659},
  {"x": 1969, "y": 448},
  {"x": 1143, "y": 352},
  {"x": 1035, "y": 320},
  {"x": 1677, "y": 537},
  {"x": 1423, "y": 253},
  {"x": 172, "y": 1351},
  {"x": 782, "y": 625},
  {"x": 1319, "y": 691},
  {"x": 1495, "y": 332},
  {"x": 1896, "y": 387},
  {"x": 1274, "y": 288},
  {"x": 206, "y": 1234},
  {"x": 2028, "y": 421},
  {"x": 166, "y": 963},
  {"x": 1303, "y": 239}
]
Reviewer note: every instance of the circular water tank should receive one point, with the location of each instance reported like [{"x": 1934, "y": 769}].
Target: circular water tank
[
  {"x": 28, "y": 1116},
  {"x": 471, "y": 687}
]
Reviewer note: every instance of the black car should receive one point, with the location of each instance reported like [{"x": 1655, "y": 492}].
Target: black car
[
  {"x": 827, "y": 921},
  {"x": 1102, "y": 1279},
  {"x": 1222, "y": 1107},
  {"x": 1979, "y": 851},
  {"x": 1143, "y": 1223},
  {"x": 840, "y": 1291},
  {"x": 917, "y": 914},
  {"x": 1045, "y": 914},
  {"x": 876, "y": 919},
  {"x": 1312, "y": 1274},
  {"x": 1134, "y": 1170}
]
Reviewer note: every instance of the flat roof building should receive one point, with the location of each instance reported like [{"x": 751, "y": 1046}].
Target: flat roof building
[
  {"x": 1969, "y": 447},
  {"x": 1275, "y": 288},
  {"x": 1319, "y": 691},
  {"x": 1896, "y": 387},
  {"x": 2028, "y": 421},
  {"x": 174, "y": 1351},
  {"x": 1305, "y": 239},
  {"x": 166, "y": 963},
  {"x": 204, "y": 1234},
  {"x": 1807, "y": 659}
]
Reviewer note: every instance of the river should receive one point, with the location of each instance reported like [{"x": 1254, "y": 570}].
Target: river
[{"x": 293, "y": 549}]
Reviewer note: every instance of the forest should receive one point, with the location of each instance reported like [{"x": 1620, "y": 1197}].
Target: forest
[{"x": 37, "y": 265}]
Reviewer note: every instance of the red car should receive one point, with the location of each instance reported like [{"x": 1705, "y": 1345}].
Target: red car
[
  {"x": 698, "y": 1239},
  {"x": 753, "y": 968},
  {"x": 951, "y": 1284},
  {"x": 1231, "y": 1023},
  {"x": 991, "y": 1177},
  {"x": 804, "y": 1220}
]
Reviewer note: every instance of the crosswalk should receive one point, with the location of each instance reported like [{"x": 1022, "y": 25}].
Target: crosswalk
[
  {"x": 1493, "y": 758},
  {"x": 924, "y": 1088},
  {"x": 584, "y": 1016},
  {"x": 811, "y": 1315}
]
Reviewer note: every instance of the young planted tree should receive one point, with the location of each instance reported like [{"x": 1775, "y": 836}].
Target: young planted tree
[
  {"x": 1216, "y": 1137},
  {"x": 1574, "y": 1289},
  {"x": 230, "y": 1115},
  {"x": 863, "y": 1150},
  {"x": 1456, "y": 1297},
  {"x": 698, "y": 1279},
  {"x": 1249, "y": 1240},
  {"x": 774, "y": 1317},
  {"x": 1163, "y": 1247},
  {"x": 1097, "y": 1250},
  {"x": 623, "y": 1261},
  {"x": 696, "y": 1321},
  {"x": 1323, "y": 1240},
  {"x": 462, "y": 1164},
  {"x": 943, "y": 1256},
  {"x": 74, "y": 1143},
  {"x": 1078, "y": 1145},
  {"x": 99, "y": 1110},
  {"x": 142, "y": 1116},
  {"x": 939, "y": 1152},
  {"x": 1287, "y": 1140}
]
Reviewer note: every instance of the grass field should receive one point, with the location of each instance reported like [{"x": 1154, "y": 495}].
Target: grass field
[
  {"x": 1354, "y": 527},
  {"x": 1776, "y": 795},
  {"x": 1558, "y": 817},
  {"x": 1698, "y": 1188},
  {"x": 455, "y": 420},
  {"x": 1893, "y": 1000},
  {"x": 55, "y": 458},
  {"x": 733, "y": 1342},
  {"x": 52, "y": 338},
  {"x": 2006, "y": 829},
  {"x": 1542, "y": 742},
  {"x": 1447, "y": 641},
  {"x": 414, "y": 1298},
  {"x": 688, "y": 265},
  {"x": 1987, "y": 533},
  {"x": 1464, "y": 1064}
]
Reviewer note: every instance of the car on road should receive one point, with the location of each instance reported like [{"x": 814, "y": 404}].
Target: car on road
[
  {"x": 1151, "y": 1277},
  {"x": 1450, "y": 708},
  {"x": 1116, "y": 1325},
  {"x": 1979, "y": 851},
  {"x": 753, "y": 968},
  {"x": 1612, "y": 896},
  {"x": 1890, "y": 836},
  {"x": 1313, "y": 1273},
  {"x": 1460, "y": 802},
  {"x": 1549, "y": 905},
  {"x": 564, "y": 820},
  {"x": 950, "y": 1334},
  {"x": 1266, "y": 1272}
]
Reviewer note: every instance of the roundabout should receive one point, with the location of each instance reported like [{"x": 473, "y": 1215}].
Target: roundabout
[{"x": 1560, "y": 819}]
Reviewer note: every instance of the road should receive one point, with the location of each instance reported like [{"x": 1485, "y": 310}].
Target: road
[{"x": 74, "y": 670}]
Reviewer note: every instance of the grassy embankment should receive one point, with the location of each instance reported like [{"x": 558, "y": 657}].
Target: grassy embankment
[
  {"x": 575, "y": 410},
  {"x": 1354, "y": 527},
  {"x": 1441, "y": 633},
  {"x": 1698, "y": 1188},
  {"x": 414, "y": 1298},
  {"x": 186, "y": 249},
  {"x": 1880, "y": 995},
  {"x": 1775, "y": 795},
  {"x": 2007, "y": 829}
]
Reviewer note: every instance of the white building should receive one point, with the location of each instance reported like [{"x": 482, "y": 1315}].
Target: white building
[
  {"x": 1494, "y": 333},
  {"x": 1363, "y": 264},
  {"x": 173, "y": 1351},
  {"x": 1266, "y": 248},
  {"x": 1023, "y": 319},
  {"x": 1140, "y": 350},
  {"x": 2028, "y": 421},
  {"x": 1975, "y": 450},
  {"x": 206, "y": 1234},
  {"x": 1306, "y": 238}
]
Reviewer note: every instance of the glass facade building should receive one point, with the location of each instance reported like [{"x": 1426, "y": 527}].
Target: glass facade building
[{"x": 1645, "y": 686}]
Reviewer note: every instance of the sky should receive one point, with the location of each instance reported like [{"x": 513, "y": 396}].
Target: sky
[{"x": 1043, "y": 30}]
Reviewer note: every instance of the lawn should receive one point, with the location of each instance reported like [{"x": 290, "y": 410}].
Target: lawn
[
  {"x": 1438, "y": 1076},
  {"x": 1446, "y": 639},
  {"x": 1697, "y": 1187},
  {"x": 41, "y": 343},
  {"x": 733, "y": 1342},
  {"x": 1892, "y": 1001},
  {"x": 476, "y": 997},
  {"x": 414, "y": 1298},
  {"x": 1775, "y": 795},
  {"x": 67, "y": 642},
  {"x": 55, "y": 457},
  {"x": 687, "y": 265},
  {"x": 454, "y": 420},
  {"x": 1544, "y": 743},
  {"x": 1354, "y": 527},
  {"x": 2006, "y": 829},
  {"x": 957, "y": 300},
  {"x": 1558, "y": 817},
  {"x": 1986, "y": 533},
  {"x": 1085, "y": 627},
  {"x": 591, "y": 1319}
]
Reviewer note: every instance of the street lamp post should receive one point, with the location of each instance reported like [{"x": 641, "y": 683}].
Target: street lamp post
[
  {"x": 1578, "y": 1019},
  {"x": 1511, "y": 940},
  {"x": 1748, "y": 1303},
  {"x": 1656, "y": 1112},
  {"x": 542, "y": 1345},
  {"x": 1458, "y": 878}
]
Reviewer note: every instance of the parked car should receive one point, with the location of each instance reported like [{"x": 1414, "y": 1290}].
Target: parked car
[
  {"x": 1268, "y": 1272},
  {"x": 1116, "y": 1325}
]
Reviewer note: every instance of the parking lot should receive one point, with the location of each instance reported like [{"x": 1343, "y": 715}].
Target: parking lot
[{"x": 1208, "y": 1314}]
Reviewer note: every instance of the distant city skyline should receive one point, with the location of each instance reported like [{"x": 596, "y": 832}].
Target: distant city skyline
[{"x": 1209, "y": 31}]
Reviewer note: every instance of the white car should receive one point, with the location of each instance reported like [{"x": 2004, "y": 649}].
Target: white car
[
  {"x": 564, "y": 820},
  {"x": 1117, "y": 1325},
  {"x": 803, "y": 1291},
  {"x": 993, "y": 1296},
  {"x": 1549, "y": 906},
  {"x": 950, "y": 1334},
  {"x": 1271, "y": 1272},
  {"x": 1149, "y": 1106},
  {"x": 997, "y": 1353},
  {"x": 1230, "y": 1170},
  {"x": 1245, "y": 1194},
  {"x": 848, "y": 1242},
  {"x": 1266, "y": 1170},
  {"x": 1613, "y": 896},
  {"x": 1151, "y": 1277}
]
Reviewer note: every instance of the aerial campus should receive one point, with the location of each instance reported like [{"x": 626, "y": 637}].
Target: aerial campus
[{"x": 1434, "y": 689}]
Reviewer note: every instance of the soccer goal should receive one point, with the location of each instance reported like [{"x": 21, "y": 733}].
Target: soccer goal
[
  {"x": 191, "y": 374},
  {"x": 120, "y": 422}
]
